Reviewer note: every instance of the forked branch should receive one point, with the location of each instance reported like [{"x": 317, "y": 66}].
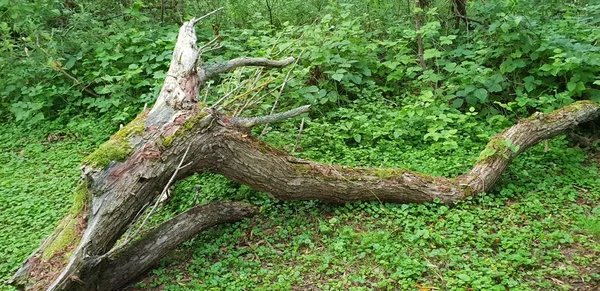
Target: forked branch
[{"x": 196, "y": 20}]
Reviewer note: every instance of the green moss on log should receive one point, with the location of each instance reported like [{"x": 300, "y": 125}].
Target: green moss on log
[
  {"x": 66, "y": 233},
  {"x": 387, "y": 173},
  {"x": 118, "y": 147},
  {"x": 112, "y": 150},
  {"x": 168, "y": 140},
  {"x": 302, "y": 168},
  {"x": 494, "y": 149}
]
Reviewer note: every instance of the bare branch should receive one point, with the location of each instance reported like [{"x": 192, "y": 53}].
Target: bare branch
[
  {"x": 470, "y": 19},
  {"x": 298, "y": 136},
  {"x": 209, "y": 45},
  {"x": 216, "y": 105},
  {"x": 196, "y": 20},
  {"x": 206, "y": 72},
  {"x": 249, "y": 122},
  {"x": 59, "y": 68},
  {"x": 285, "y": 80}
]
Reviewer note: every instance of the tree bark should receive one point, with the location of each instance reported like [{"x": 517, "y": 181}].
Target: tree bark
[
  {"x": 460, "y": 12},
  {"x": 131, "y": 170},
  {"x": 119, "y": 267},
  {"x": 420, "y": 5}
]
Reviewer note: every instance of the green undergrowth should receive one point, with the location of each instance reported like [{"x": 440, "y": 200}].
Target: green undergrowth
[
  {"x": 372, "y": 105},
  {"x": 539, "y": 225},
  {"x": 39, "y": 172}
]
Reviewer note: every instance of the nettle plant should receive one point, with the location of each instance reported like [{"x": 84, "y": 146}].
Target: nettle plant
[{"x": 58, "y": 70}]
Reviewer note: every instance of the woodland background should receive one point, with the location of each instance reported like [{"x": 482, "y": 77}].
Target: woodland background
[{"x": 73, "y": 71}]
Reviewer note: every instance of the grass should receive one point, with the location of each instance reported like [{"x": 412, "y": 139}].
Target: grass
[{"x": 537, "y": 230}]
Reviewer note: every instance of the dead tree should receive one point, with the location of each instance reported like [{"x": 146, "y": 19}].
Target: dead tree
[{"x": 179, "y": 137}]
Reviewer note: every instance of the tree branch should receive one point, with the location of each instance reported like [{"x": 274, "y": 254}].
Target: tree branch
[
  {"x": 470, "y": 19},
  {"x": 196, "y": 20},
  {"x": 135, "y": 258},
  {"x": 59, "y": 68},
  {"x": 505, "y": 146},
  {"x": 249, "y": 122},
  {"x": 206, "y": 72},
  {"x": 254, "y": 163}
]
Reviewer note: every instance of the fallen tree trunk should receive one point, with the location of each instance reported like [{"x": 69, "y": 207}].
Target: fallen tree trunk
[
  {"x": 119, "y": 267},
  {"x": 131, "y": 170}
]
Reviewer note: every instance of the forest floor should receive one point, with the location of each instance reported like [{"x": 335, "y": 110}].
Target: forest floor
[{"x": 539, "y": 229}]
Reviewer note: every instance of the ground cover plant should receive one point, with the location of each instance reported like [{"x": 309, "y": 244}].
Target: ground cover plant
[
  {"x": 373, "y": 105},
  {"x": 534, "y": 233}
]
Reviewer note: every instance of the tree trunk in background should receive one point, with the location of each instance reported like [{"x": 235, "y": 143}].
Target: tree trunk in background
[
  {"x": 419, "y": 8},
  {"x": 179, "y": 137},
  {"x": 460, "y": 12}
]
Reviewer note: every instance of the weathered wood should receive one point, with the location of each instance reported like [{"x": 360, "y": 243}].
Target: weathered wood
[
  {"x": 523, "y": 135},
  {"x": 249, "y": 122},
  {"x": 254, "y": 163},
  {"x": 118, "y": 267},
  {"x": 207, "y": 72}
]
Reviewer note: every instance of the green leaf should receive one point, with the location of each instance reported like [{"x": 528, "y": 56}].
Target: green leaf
[
  {"x": 470, "y": 88},
  {"x": 458, "y": 102},
  {"x": 447, "y": 39},
  {"x": 391, "y": 65},
  {"x": 357, "y": 137},
  {"x": 337, "y": 77},
  {"x": 494, "y": 88},
  {"x": 70, "y": 63},
  {"x": 529, "y": 83},
  {"x": 464, "y": 277},
  {"x": 309, "y": 89},
  {"x": 450, "y": 67},
  {"x": 481, "y": 94},
  {"x": 431, "y": 53},
  {"x": 487, "y": 153},
  {"x": 471, "y": 100},
  {"x": 547, "y": 67},
  {"x": 321, "y": 93}
]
